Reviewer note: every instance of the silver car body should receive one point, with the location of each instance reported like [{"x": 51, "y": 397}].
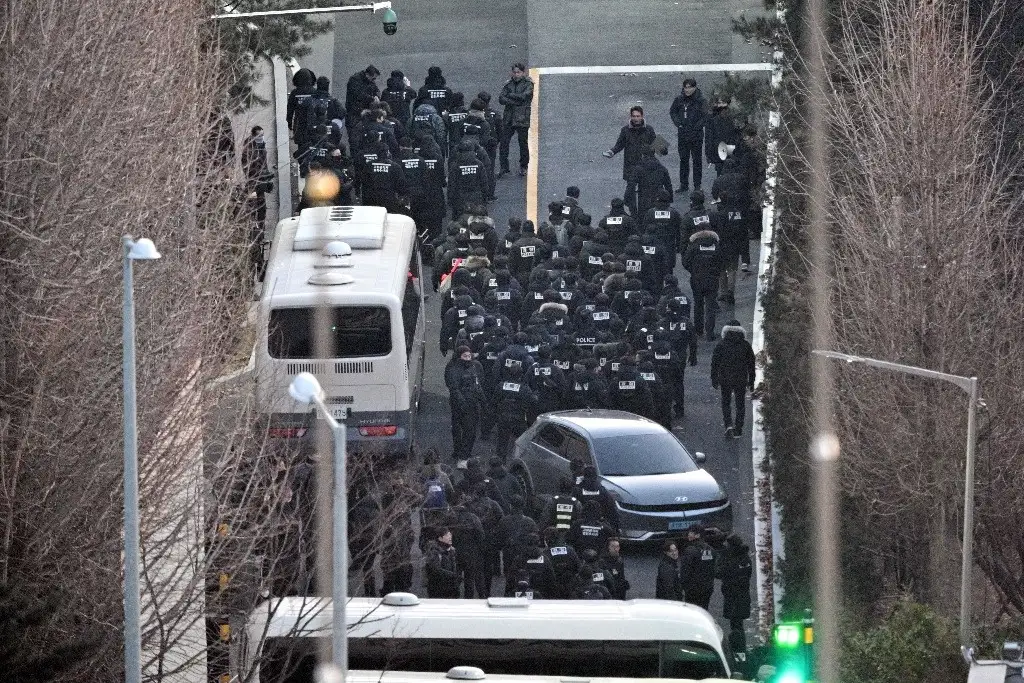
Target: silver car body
[{"x": 664, "y": 493}]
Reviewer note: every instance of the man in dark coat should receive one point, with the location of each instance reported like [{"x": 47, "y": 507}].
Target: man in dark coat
[
  {"x": 703, "y": 260},
  {"x": 668, "y": 585},
  {"x": 359, "y": 93},
  {"x": 399, "y": 95},
  {"x": 304, "y": 81},
  {"x": 464, "y": 378},
  {"x": 689, "y": 114},
  {"x": 734, "y": 570},
  {"x": 646, "y": 180},
  {"x": 697, "y": 568},
  {"x": 441, "y": 566},
  {"x": 720, "y": 127},
  {"x": 517, "y": 96},
  {"x": 435, "y": 91},
  {"x": 732, "y": 369},
  {"x": 633, "y": 138}
]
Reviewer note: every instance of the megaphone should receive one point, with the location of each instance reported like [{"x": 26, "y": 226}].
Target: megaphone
[{"x": 724, "y": 150}]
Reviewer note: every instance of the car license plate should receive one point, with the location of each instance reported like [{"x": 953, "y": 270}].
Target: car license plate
[{"x": 680, "y": 525}]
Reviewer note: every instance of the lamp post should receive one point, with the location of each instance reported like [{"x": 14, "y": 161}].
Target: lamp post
[
  {"x": 132, "y": 250},
  {"x": 369, "y": 7},
  {"x": 306, "y": 389},
  {"x": 969, "y": 385}
]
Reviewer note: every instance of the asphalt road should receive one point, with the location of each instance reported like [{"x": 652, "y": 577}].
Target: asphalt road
[{"x": 475, "y": 43}]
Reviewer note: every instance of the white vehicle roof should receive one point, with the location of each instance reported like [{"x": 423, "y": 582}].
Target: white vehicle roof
[
  {"x": 471, "y": 673},
  {"x": 612, "y": 620},
  {"x": 377, "y": 269}
]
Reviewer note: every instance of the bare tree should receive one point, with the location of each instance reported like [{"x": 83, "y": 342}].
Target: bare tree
[{"x": 926, "y": 270}]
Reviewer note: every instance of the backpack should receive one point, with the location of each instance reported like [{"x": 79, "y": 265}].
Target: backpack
[{"x": 434, "y": 494}]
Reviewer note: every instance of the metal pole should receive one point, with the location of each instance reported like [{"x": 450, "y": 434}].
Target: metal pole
[
  {"x": 339, "y": 632},
  {"x": 970, "y": 385},
  {"x": 967, "y": 560},
  {"x": 132, "y": 612},
  {"x": 339, "y": 536},
  {"x": 373, "y": 7}
]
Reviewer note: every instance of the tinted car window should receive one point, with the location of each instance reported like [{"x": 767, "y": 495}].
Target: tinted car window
[
  {"x": 632, "y": 455},
  {"x": 550, "y": 437},
  {"x": 577, "y": 448}
]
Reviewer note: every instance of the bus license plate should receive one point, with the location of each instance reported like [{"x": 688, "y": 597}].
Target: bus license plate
[{"x": 680, "y": 525}]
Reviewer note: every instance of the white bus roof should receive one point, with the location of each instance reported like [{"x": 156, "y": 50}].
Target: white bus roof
[
  {"x": 378, "y": 272},
  {"x": 453, "y": 675},
  {"x": 611, "y": 620}
]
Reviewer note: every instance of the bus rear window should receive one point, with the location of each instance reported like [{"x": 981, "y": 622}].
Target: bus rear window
[{"x": 355, "y": 332}]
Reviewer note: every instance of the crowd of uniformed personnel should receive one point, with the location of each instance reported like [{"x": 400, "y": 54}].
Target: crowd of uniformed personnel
[{"x": 580, "y": 311}]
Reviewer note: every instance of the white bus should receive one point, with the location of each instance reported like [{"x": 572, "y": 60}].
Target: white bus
[
  {"x": 363, "y": 266},
  {"x": 510, "y": 636}
]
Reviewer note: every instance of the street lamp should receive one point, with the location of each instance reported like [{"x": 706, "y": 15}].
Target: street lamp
[
  {"x": 306, "y": 389},
  {"x": 369, "y": 7},
  {"x": 970, "y": 385},
  {"x": 132, "y": 250}
]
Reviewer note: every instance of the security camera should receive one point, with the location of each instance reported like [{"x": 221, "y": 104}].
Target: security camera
[{"x": 390, "y": 20}]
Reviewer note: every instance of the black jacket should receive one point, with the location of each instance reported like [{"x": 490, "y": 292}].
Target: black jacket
[
  {"x": 442, "y": 570},
  {"x": 631, "y": 143},
  {"x": 734, "y": 570},
  {"x": 689, "y": 115},
  {"x": 703, "y": 259},
  {"x": 697, "y": 572},
  {"x": 647, "y": 178},
  {"x": 465, "y": 384},
  {"x": 304, "y": 81},
  {"x": 720, "y": 127},
  {"x": 666, "y": 223},
  {"x": 399, "y": 97},
  {"x": 358, "y": 93},
  {"x": 614, "y": 575},
  {"x": 732, "y": 362},
  {"x": 668, "y": 585}
]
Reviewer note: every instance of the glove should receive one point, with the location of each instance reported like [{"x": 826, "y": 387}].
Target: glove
[{"x": 608, "y": 154}]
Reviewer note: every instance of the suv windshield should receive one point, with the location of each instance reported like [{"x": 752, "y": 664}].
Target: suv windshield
[{"x": 634, "y": 455}]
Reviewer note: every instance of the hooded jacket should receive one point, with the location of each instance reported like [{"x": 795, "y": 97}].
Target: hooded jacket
[
  {"x": 426, "y": 120},
  {"x": 647, "y": 178},
  {"x": 304, "y": 81},
  {"x": 703, "y": 258},
  {"x": 435, "y": 91},
  {"x": 732, "y": 362},
  {"x": 399, "y": 96}
]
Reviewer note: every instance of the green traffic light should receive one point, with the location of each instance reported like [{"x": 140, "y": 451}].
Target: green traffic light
[
  {"x": 791, "y": 677},
  {"x": 787, "y": 635}
]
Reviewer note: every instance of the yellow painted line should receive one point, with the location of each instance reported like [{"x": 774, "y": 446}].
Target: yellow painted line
[{"x": 533, "y": 142}]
